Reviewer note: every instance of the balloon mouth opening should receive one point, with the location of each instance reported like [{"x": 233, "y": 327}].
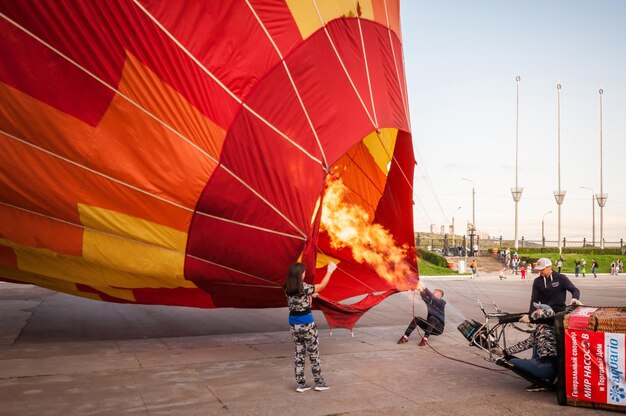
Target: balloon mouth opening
[{"x": 349, "y": 226}]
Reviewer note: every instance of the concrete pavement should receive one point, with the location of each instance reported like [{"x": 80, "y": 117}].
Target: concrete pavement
[{"x": 243, "y": 374}]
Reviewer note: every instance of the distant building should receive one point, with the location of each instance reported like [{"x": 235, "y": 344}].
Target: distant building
[
  {"x": 433, "y": 228},
  {"x": 443, "y": 229}
]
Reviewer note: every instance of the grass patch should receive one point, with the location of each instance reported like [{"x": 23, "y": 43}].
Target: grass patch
[
  {"x": 604, "y": 260},
  {"x": 428, "y": 269}
]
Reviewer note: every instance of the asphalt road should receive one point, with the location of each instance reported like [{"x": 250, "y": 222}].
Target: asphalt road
[
  {"x": 59, "y": 317},
  {"x": 63, "y": 355}
]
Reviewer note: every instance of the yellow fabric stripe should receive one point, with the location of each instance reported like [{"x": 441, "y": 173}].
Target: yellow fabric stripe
[
  {"x": 132, "y": 227},
  {"x": 45, "y": 282},
  {"x": 308, "y": 21},
  {"x": 135, "y": 264},
  {"x": 321, "y": 260},
  {"x": 381, "y": 146}
]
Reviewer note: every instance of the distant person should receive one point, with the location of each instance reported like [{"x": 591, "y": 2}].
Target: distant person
[
  {"x": 502, "y": 273},
  {"x": 523, "y": 272},
  {"x": 529, "y": 269},
  {"x": 515, "y": 265},
  {"x": 550, "y": 288},
  {"x": 583, "y": 267},
  {"x": 559, "y": 265},
  {"x": 302, "y": 325},
  {"x": 475, "y": 249},
  {"x": 594, "y": 268},
  {"x": 435, "y": 318},
  {"x": 474, "y": 268},
  {"x": 620, "y": 266},
  {"x": 612, "y": 268},
  {"x": 577, "y": 267}
]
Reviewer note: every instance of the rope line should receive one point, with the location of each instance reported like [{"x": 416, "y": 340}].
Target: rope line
[
  {"x": 140, "y": 190},
  {"x": 405, "y": 103},
  {"x": 332, "y": 44},
  {"x": 367, "y": 70},
  {"x": 293, "y": 83}
]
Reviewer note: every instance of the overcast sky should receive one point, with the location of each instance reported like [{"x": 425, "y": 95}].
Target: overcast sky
[{"x": 461, "y": 59}]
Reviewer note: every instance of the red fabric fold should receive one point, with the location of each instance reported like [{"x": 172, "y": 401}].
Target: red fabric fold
[{"x": 339, "y": 315}]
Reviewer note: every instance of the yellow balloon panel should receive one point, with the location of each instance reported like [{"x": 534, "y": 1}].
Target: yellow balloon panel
[
  {"x": 137, "y": 264},
  {"x": 132, "y": 228},
  {"x": 308, "y": 20},
  {"x": 381, "y": 145}
]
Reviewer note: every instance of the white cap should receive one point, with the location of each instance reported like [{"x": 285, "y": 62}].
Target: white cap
[{"x": 542, "y": 263}]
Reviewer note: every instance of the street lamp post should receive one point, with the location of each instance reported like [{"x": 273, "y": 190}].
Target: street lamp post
[
  {"x": 601, "y": 197},
  {"x": 473, "y": 201},
  {"x": 472, "y": 230},
  {"x": 516, "y": 192},
  {"x": 543, "y": 236},
  {"x": 559, "y": 194},
  {"x": 453, "y": 230},
  {"x": 593, "y": 216}
]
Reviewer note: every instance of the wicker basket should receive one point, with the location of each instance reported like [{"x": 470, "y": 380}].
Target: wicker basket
[{"x": 611, "y": 320}]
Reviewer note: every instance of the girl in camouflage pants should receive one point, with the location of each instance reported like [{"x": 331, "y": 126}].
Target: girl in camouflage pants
[{"x": 302, "y": 325}]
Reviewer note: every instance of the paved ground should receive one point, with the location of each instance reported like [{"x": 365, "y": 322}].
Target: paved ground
[{"x": 61, "y": 355}]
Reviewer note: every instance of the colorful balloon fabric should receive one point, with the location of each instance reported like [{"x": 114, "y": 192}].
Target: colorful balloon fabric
[{"x": 176, "y": 152}]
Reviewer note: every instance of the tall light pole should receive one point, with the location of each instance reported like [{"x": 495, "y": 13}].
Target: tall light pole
[
  {"x": 516, "y": 192},
  {"x": 472, "y": 229},
  {"x": 453, "y": 229},
  {"x": 593, "y": 216},
  {"x": 559, "y": 194},
  {"x": 601, "y": 197},
  {"x": 473, "y": 201},
  {"x": 543, "y": 236}
]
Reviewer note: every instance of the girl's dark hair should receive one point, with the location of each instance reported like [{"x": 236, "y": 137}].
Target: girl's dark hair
[{"x": 293, "y": 284}]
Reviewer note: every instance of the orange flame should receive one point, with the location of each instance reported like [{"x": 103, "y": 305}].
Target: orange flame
[{"x": 348, "y": 225}]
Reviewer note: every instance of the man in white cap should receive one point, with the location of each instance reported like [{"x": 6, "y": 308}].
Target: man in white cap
[{"x": 550, "y": 288}]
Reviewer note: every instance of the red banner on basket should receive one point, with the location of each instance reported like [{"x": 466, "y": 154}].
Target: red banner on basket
[
  {"x": 595, "y": 363},
  {"x": 579, "y": 319}
]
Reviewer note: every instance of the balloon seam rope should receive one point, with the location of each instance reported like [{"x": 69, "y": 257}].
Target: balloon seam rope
[
  {"x": 245, "y": 285},
  {"x": 153, "y": 116},
  {"x": 293, "y": 84},
  {"x": 345, "y": 70},
  {"x": 258, "y": 195},
  {"x": 182, "y": 47},
  {"x": 27, "y": 143},
  {"x": 84, "y": 227},
  {"x": 144, "y": 191},
  {"x": 395, "y": 62},
  {"x": 268, "y": 230},
  {"x": 367, "y": 70},
  {"x": 392, "y": 157},
  {"x": 224, "y": 87},
  {"x": 364, "y": 174},
  {"x": 429, "y": 183},
  {"x": 124, "y": 96},
  {"x": 232, "y": 269},
  {"x": 347, "y": 273},
  {"x": 451, "y": 337},
  {"x": 412, "y": 315}
]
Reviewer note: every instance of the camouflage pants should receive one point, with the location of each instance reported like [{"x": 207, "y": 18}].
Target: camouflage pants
[{"x": 305, "y": 339}]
